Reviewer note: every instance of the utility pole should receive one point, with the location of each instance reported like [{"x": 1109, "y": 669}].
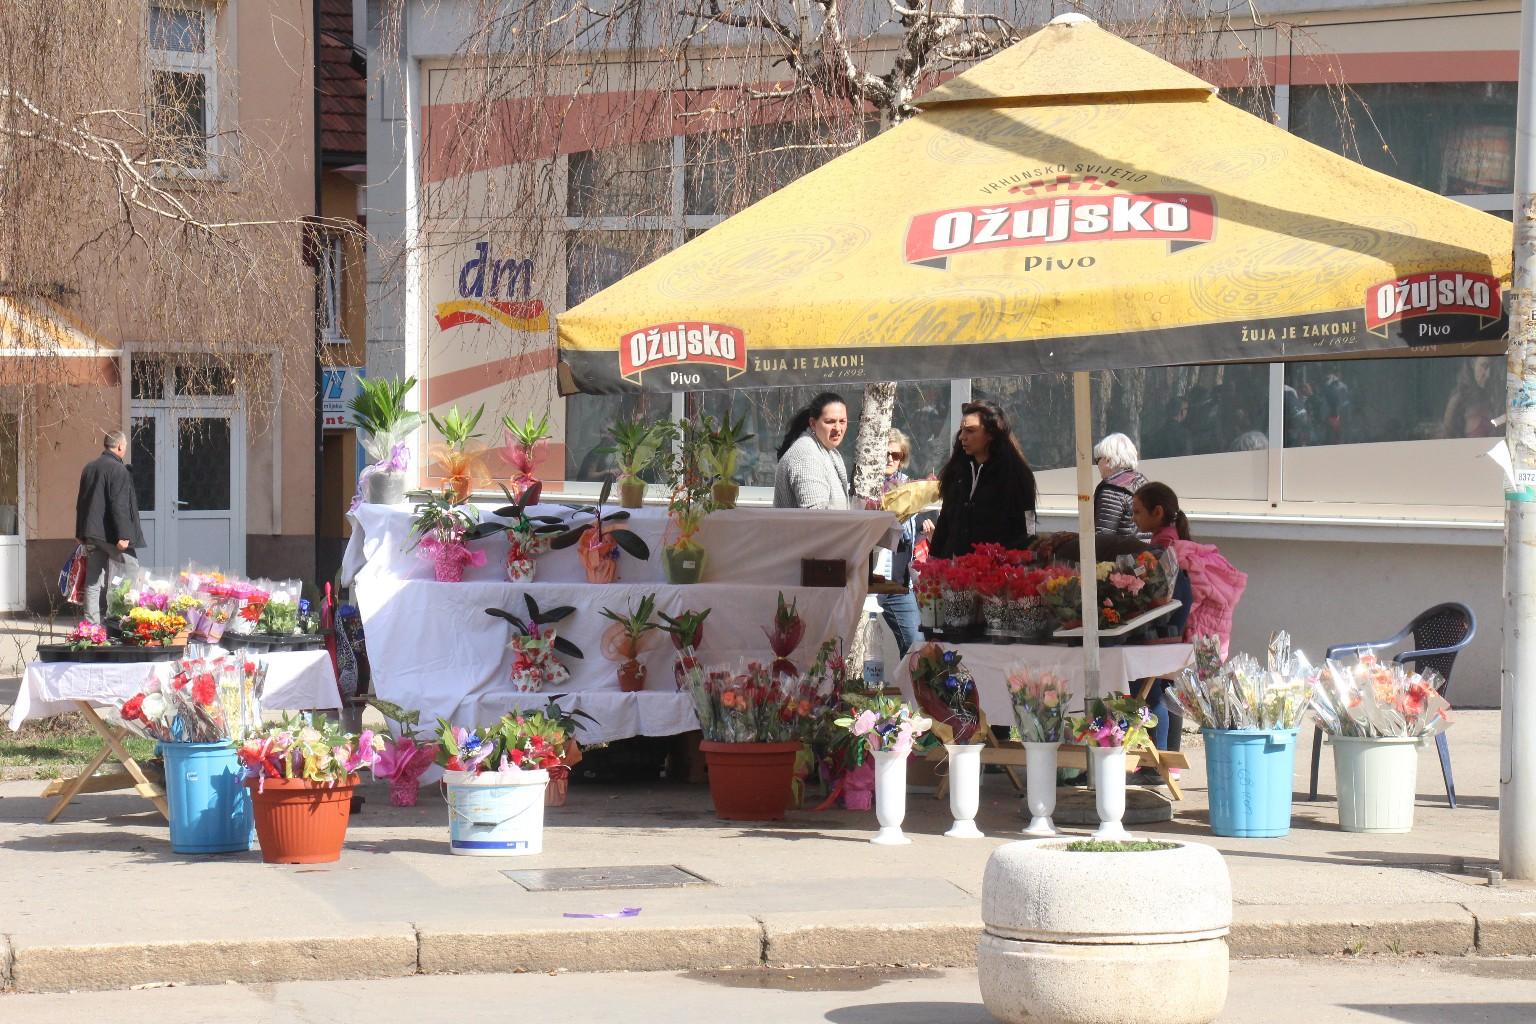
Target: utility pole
[{"x": 1517, "y": 755}]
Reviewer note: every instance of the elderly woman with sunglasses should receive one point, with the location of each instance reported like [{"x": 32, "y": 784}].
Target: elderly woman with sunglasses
[
  {"x": 900, "y": 609},
  {"x": 1116, "y": 458}
]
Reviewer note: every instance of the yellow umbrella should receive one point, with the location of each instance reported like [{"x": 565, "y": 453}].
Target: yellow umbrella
[{"x": 1073, "y": 203}]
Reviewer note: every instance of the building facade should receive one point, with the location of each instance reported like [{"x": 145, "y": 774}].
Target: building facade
[{"x": 1354, "y": 493}]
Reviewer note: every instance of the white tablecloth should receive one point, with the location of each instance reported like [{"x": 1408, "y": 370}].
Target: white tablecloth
[
  {"x": 296, "y": 681},
  {"x": 761, "y": 546},
  {"x": 431, "y": 647},
  {"x": 989, "y": 664}
]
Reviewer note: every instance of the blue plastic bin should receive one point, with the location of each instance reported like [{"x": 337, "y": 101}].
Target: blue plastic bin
[
  {"x": 1248, "y": 772},
  {"x": 210, "y": 807}
]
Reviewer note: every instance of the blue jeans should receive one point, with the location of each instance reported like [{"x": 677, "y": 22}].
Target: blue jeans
[
  {"x": 900, "y": 613},
  {"x": 1169, "y": 725}
]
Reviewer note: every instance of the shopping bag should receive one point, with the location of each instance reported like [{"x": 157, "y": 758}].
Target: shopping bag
[{"x": 72, "y": 577}]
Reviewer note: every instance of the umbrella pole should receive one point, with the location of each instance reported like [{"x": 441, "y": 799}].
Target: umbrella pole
[
  {"x": 1082, "y": 416},
  {"x": 1517, "y": 775}
]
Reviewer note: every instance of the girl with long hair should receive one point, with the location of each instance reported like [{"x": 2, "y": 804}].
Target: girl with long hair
[
  {"x": 986, "y": 488},
  {"x": 811, "y": 473}
]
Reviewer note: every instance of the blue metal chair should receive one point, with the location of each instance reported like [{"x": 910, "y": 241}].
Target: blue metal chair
[{"x": 1439, "y": 634}]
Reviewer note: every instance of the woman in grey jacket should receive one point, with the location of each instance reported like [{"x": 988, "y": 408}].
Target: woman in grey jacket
[{"x": 811, "y": 473}]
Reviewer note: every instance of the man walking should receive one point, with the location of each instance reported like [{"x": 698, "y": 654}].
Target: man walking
[{"x": 107, "y": 522}]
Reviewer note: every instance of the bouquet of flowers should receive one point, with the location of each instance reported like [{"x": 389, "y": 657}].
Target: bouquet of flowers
[
  {"x": 316, "y": 751},
  {"x": 885, "y": 724},
  {"x": 1133, "y": 584},
  {"x": 250, "y": 600},
  {"x": 541, "y": 738},
  {"x": 1118, "y": 721},
  {"x": 1242, "y": 694},
  {"x": 404, "y": 756},
  {"x": 946, "y": 691},
  {"x": 145, "y": 627},
  {"x": 1039, "y": 703},
  {"x": 753, "y": 704},
  {"x": 788, "y": 630},
  {"x": 280, "y": 615},
  {"x": 205, "y": 701},
  {"x": 85, "y": 636},
  {"x": 1372, "y": 698}
]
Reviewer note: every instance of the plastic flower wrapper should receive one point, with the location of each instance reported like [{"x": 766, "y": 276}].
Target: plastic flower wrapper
[
  {"x": 463, "y": 471},
  {"x": 945, "y": 691},
  {"x": 751, "y": 704},
  {"x": 1039, "y": 702},
  {"x": 148, "y": 628},
  {"x": 1369, "y": 698},
  {"x": 280, "y": 615},
  {"x": 885, "y": 724},
  {"x": 788, "y": 630},
  {"x": 312, "y": 749},
  {"x": 1118, "y": 721}
]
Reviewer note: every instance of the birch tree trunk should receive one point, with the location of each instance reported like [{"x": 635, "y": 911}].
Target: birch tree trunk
[{"x": 868, "y": 481}]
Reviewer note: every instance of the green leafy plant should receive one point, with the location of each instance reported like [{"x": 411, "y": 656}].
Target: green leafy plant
[
  {"x": 1118, "y": 846},
  {"x": 638, "y": 622},
  {"x": 529, "y": 432},
  {"x": 537, "y": 619},
  {"x": 627, "y": 540},
  {"x": 686, "y": 630},
  {"x": 638, "y": 445},
  {"x": 379, "y": 406},
  {"x": 723, "y": 446},
  {"x": 458, "y": 429},
  {"x": 691, "y": 498},
  {"x": 440, "y": 517}
]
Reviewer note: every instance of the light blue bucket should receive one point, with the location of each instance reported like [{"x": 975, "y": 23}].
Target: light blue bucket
[
  {"x": 496, "y": 814},
  {"x": 210, "y": 807},
  {"x": 1248, "y": 772}
]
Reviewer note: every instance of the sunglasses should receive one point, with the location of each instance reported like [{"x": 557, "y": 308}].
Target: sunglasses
[{"x": 897, "y": 456}]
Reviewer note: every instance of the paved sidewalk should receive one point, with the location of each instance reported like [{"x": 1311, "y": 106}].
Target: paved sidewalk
[{"x": 99, "y": 901}]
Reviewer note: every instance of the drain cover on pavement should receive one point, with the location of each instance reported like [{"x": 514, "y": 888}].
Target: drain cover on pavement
[{"x": 650, "y": 876}]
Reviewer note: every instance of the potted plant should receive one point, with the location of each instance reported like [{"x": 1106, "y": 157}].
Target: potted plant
[
  {"x": 527, "y": 536},
  {"x": 495, "y": 793},
  {"x": 1112, "y": 726},
  {"x": 683, "y": 557},
  {"x": 638, "y": 445},
  {"x": 623, "y": 641},
  {"x": 787, "y": 632},
  {"x": 383, "y": 424},
  {"x": 546, "y": 739},
  {"x": 687, "y": 633},
  {"x": 301, "y": 774},
  {"x": 890, "y": 729},
  {"x": 754, "y": 724},
  {"x": 441, "y": 527},
  {"x": 1039, "y": 705},
  {"x": 405, "y": 755},
  {"x": 599, "y": 549},
  {"x": 147, "y": 627},
  {"x": 523, "y": 443},
  {"x": 723, "y": 447},
  {"x": 461, "y": 467},
  {"x": 535, "y": 645}
]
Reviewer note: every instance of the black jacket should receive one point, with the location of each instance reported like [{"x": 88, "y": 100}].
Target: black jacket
[
  {"x": 107, "y": 508},
  {"x": 1112, "y": 503},
  {"x": 998, "y": 513}
]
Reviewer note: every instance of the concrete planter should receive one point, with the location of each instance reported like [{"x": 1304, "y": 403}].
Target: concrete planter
[{"x": 1084, "y": 938}]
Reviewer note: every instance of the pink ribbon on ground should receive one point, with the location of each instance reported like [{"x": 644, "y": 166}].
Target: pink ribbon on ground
[{"x": 626, "y": 912}]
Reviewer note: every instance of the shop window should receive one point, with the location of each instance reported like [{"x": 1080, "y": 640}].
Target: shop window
[
  {"x": 1454, "y": 138},
  {"x": 148, "y": 382},
  {"x": 730, "y": 170},
  {"x": 141, "y": 461},
  {"x": 1354, "y": 401},
  {"x": 766, "y": 413},
  {"x": 10, "y": 470},
  {"x": 181, "y": 83},
  {"x": 333, "y": 264},
  {"x": 204, "y": 380},
  {"x": 1258, "y": 100},
  {"x": 624, "y": 181}
]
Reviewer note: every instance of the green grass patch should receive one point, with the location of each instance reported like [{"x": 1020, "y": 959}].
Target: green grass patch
[
  {"x": 55, "y": 744},
  {"x": 1118, "y": 846}
]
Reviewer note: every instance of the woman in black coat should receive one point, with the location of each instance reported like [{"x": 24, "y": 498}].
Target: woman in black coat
[{"x": 987, "y": 488}]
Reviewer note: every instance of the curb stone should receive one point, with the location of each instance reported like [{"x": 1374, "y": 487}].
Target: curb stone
[
  {"x": 1444, "y": 929},
  {"x": 594, "y": 946},
  {"x": 937, "y": 938},
  {"x": 7, "y": 964},
  {"x": 1504, "y": 930}
]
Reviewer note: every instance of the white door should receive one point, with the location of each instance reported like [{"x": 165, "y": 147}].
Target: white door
[{"x": 188, "y": 469}]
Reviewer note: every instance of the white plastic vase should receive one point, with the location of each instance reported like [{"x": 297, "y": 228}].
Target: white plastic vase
[
  {"x": 1109, "y": 792},
  {"x": 890, "y": 797},
  {"x": 964, "y": 789},
  {"x": 1040, "y": 783},
  {"x": 1377, "y": 779}
]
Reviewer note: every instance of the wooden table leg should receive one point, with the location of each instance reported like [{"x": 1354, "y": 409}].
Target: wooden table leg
[
  {"x": 145, "y": 788},
  {"x": 71, "y": 788}
]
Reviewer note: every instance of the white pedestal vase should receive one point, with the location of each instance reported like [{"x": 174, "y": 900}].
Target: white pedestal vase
[
  {"x": 964, "y": 789},
  {"x": 1109, "y": 791},
  {"x": 1040, "y": 788},
  {"x": 890, "y": 797}
]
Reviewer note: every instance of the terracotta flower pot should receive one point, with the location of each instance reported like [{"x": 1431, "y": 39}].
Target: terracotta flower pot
[
  {"x": 631, "y": 676},
  {"x": 750, "y": 781},
  {"x": 559, "y": 782},
  {"x": 632, "y": 494},
  {"x": 725, "y": 494},
  {"x": 301, "y": 822}
]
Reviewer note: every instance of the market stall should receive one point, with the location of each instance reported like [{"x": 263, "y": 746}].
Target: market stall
[{"x": 433, "y": 648}]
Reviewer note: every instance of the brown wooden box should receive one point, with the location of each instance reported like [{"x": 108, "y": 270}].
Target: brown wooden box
[{"x": 823, "y": 572}]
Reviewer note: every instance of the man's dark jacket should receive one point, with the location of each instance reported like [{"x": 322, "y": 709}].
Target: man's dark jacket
[{"x": 107, "y": 509}]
